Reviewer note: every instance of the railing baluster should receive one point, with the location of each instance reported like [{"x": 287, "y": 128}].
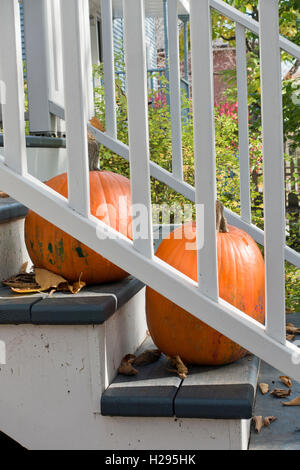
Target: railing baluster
[
  {"x": 204, "y": 145},
  {"x": 175, "y": 92},
  {"x": 75, "y": 93},
  {"x": 88, "y": 59},
  {"x": 136, "y": 85},
  {"x": 12, "y": 84},
  {"x": 241, "y": 69},
  {"x": 55, "y": 52},
  {"x": 109, "y": 68},
  {"x": 274, "y": 215},
  {"x": 37, "y": 66}
]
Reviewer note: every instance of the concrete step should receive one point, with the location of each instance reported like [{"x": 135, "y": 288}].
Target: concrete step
[
  {"x": 284, "y": 433},
  {"x": 210, "y": 409},
  {"x": 62, "y": 352}
]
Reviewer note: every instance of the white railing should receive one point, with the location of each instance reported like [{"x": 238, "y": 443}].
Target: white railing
[{"x": 73, "y": 215}]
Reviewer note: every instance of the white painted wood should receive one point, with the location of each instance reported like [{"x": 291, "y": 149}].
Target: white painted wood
[
  {"x": 244, "y": 20},
  {"x": 11, "y": 77},
  {"x": 204, "y": 145},
  {"x": 273, "y": 159},
  {"x": 13, "y": 251},
  {"x": 45, "y": 163},
  {"x": 37, "y": 66},
  {"x": 241, "y": 70},
  {"x": 160, "y": 276},
  {"x": 137, "y": 102},
  {"x": 60, "y": 372},
  {"x": 109, "y": 68},
  {"x": 189, "y": 192},
  {"x": 75, "y": 93},
  {"x": 175, "y": 90},
  {"x": 87, "y": 59},
  {"x": 54, "y": 32}
]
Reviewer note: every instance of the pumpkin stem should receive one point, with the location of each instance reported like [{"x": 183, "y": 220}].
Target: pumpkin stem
[
  {"x": 221, "y": 222},
  {"x": 93, "y": 149}
]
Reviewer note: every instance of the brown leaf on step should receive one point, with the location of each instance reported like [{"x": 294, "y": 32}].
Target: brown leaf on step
[
  {"x": 258, "y": 423},
  {"x": 3, "y": 195},
  {"x": 264, "y": 388},
  {"x": 126, "y": 367},
  {"x": 47, "y": 280},
  {"x": 77, "y": 286},
  {"x": 22, "y": 283},
  {"x": 147, "y": 357},
  {"x": 280, "y": 393},
  {"x": 292, "y": 329},
  {"x": 180, "y": 367},
  {"x": 269, "y": 419},
  {"x": 294, "y": 402},
  {"x": 290, "y": 337},
  {"x": 286, "y": 381},
  {"x": 23, "y": 268}
]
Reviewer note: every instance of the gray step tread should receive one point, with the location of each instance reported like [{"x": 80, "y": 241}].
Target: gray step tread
[
  {"x": 284, "y": 433},
  {"x": 11, "y": 209},
  {"x": 225, "y": 392},
  {"x": 93, "y": 305}
]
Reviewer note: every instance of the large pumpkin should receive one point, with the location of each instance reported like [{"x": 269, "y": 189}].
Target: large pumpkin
[
  {"x": 52, "y": 249},
  {"x": 241, "y": 283}
]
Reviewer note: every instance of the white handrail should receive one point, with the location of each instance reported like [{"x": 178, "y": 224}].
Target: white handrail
[
  {"x": 252, "y": 25},
  {"x": 273, "y": 159}
]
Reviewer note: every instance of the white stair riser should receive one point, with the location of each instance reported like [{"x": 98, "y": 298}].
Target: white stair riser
[{"x": 54, "y": 377}]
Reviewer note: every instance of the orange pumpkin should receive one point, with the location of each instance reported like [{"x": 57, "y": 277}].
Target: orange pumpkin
[
  {"x": 241, "y": 283},
  {"x": 52, "y": 249}
]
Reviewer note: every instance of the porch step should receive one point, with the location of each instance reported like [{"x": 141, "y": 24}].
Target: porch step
[
  {"x": 93, "y": 305},
  {"x": 284, "y": 433},
  {"x": 225, "y": 392}
]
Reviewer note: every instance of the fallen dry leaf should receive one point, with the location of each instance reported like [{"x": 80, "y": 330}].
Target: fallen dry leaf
[
  {"x": 180, "y": 367},
  {"x": 126, "y": 367},
  {"x": 280, "y": 393},
  {"x": 147, "y": 357},
  {"x": 77, "y": 286},
  {"x": 22, "y": 282},
  {"x": 23, "y": 268},
  {"x": 269, "y": 419},
  {"x": 264, "y": 388},
  {"x": 286, "y": 381},
  {"x": 292, "y": 329},
  {"x": 39, "y": 281},
  {"x": 294, "y": 402},
  {"x": 3, "y": 195},
  {"x": 47, "y": 280},
  {"x": 290, "y": 337},
  {"x": 258, "y": 423}
]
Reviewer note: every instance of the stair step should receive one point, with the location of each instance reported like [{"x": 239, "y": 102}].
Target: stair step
[
  {"x": 92, "y": 305},
  {"x": 11, "y": 209},
  {"x": 220, "y": 392},
  {"x": 284, "y": 433}
]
